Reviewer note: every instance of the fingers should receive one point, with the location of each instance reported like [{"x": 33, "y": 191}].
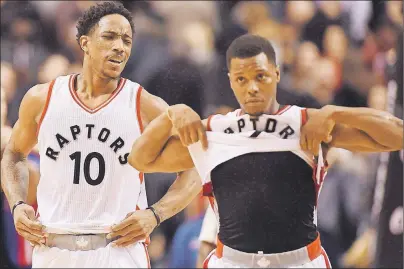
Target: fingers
[
  {"x": 182, "y": 135},
  {"x": 30, "y": 224},
  {"x": 303, "y": 142},
  {"x": 128, "y": 240},
  {"x": 31, "y": 237},
  {"x": 315, "y": 147},
  {"x": 123, "y": 232},
  {"x": 125, "y": 223},
  {"x": 192, "y": 134},
  {"x": 132, "y": 241},
  {"x": 203, "y": 137},
  {"x": 328, "y": 139}
]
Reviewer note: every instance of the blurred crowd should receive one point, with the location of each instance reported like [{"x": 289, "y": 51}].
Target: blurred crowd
[{"x": 331, "y": 52}]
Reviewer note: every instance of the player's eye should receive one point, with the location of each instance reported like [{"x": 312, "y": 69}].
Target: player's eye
[
  {"x": 108, "y": 37},
  {"x": 240, "y": 79},
  {"x": 261, "y": 77}
]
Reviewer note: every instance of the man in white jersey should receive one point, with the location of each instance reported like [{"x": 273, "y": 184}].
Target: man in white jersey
[
  {"x": 88, "y": 195},
  {"x": 265, "y": 163}
]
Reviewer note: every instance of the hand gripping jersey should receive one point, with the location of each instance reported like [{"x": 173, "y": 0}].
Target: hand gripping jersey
[
  {"x": 282, "y": 177},
  {"x": 86, "y": 183}
]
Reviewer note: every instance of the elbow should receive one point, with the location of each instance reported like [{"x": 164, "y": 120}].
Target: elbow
[
  {"x": 399, "y": 145},
  {"x": 138, "y": 162},
  {"x": 395, "y": 141}
]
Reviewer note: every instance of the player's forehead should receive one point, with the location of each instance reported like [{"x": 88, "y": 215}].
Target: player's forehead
[
  {"x": 115, "y": 23},
  {"x": 256, "y": 63}
]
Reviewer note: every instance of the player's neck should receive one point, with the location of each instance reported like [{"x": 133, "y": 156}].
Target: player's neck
[
  {"x": 273, "y": 108},
  {"x": 93, "y": 84}
]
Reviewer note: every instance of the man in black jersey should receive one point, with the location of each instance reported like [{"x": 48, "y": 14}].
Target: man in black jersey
[{"x": 265, "y": 200}]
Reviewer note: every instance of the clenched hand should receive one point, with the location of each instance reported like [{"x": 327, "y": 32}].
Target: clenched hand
[{"x": 188, "y": 125}]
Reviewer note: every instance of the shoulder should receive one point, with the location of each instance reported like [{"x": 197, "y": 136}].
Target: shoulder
[
  {"x": 35, "y": 99},
  {"x": 150, "y": 106},
  {"x": 37, "y": 94}
]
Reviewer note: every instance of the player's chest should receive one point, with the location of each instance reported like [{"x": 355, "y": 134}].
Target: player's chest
[{"x": 115, "y": 126}]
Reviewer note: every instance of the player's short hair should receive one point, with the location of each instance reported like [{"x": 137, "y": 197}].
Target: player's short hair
[
  {"x": 249, "y": 45},
  {"x": 94, "y": 14}
]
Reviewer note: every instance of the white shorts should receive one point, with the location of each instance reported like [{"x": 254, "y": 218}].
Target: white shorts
[
  {"x": 311, "y": 256},
  {"x": 134, "y": 256}
]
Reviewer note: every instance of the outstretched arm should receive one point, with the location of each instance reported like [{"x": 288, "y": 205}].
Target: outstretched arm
[
  {"x": 354, "y": 129},
  {"x": 383, "y": 129}
]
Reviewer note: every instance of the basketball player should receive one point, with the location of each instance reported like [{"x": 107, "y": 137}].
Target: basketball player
[
  {"x": 84, "y": 124},
  {"x": 264, "y": 164}
]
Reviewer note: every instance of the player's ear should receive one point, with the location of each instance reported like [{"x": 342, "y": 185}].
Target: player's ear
[
  {"x": 278, "y": 73},
  {"x": 84, "y": 43}
]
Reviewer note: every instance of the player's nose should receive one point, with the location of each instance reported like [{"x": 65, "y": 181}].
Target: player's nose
[
  {"x": 118, "y": 46},
  {"x": 253, "y": 87}
]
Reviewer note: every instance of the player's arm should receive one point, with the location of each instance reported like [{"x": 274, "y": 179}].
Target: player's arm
[
  {"x": 157, "y": 149},
  {"x": 15, "y": 167},
  {"x": 354, "y": 129},
  {"x": 147, "y": 155},
  {"x": 140, "y": 224}
]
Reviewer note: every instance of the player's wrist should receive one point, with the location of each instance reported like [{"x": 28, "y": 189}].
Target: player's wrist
[
  {"x": 16, "y": 205},
  {"x": 156, "y": 215}
]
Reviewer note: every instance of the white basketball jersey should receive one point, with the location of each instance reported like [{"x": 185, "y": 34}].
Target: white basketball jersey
[
  {"x": 233, "y": 135},
  {"x": 86, "y": 183}
]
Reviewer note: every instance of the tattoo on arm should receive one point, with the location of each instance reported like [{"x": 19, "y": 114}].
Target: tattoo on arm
[{"x": 15, "y": 176}]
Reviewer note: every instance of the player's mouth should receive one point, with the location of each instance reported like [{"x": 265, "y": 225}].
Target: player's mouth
[
  {"x": 254, "y": 101},
  {"x": 115, "y": 62}
]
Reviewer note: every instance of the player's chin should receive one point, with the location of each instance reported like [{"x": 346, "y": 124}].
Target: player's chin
[
  {"x": 254, "y": 110},
  {"x": 113, "y": 74}
]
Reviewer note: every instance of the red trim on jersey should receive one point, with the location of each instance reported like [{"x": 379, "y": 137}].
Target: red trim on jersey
[
  {"x": 206, "y": 261},
  {"x": 212, "y": 202},
  {"x": 283, "y": 110},
  {"x": 76, "y": 98},
  {"x": 327, "y": 260},
  {"x": 304, "y": 116},
  {"x": 46, "y": 105},
  {"x": 139, "y": 120},
  {"x": 147, "y": 256},
  {"x": 21, "y": 251},
  {"x": 208, "y": 127},
  {"x": 207, "y": 189},
  {"x": 138, "y": 114},
  {"x": 322, "y": 174},
  {"x": 219, "y": 248}
]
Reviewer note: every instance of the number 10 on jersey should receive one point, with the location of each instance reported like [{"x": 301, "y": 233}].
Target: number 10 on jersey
[{"x": 76, "y": 157}]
